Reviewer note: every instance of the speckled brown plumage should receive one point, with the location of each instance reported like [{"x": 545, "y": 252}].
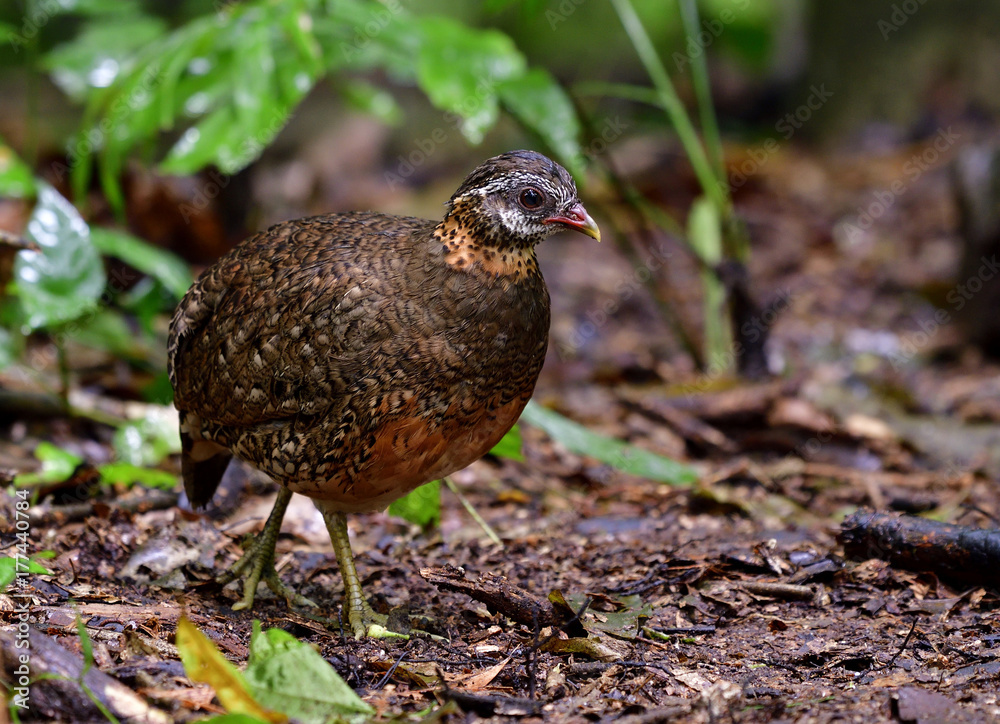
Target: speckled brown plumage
[{"x": 353, "y": 357}]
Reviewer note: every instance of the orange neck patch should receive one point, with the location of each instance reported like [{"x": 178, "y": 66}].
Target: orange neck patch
[{"x": 463, "y": 251}]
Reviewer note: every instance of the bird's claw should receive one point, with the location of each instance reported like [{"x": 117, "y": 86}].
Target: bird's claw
[{"x": 365, "y": 622}]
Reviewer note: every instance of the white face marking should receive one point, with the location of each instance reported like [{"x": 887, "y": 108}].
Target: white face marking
[{"x": 517, "y": 220}]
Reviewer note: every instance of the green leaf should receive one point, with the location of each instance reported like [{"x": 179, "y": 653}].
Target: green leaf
[
  {"x": 57, "y": 465},
  {"x": 705, "y": 230},
  {"x": 100, "y": 52},
  {"x": 162, "y": 265},
  {"x": 421, "y": 506},
  {"x": 622, "y": 622},
  {"x": 205, "y": 664},
  {"x": 106, "y": 330},
  {"x": 225, "y": 83},
  {"x": 86, "y": 646},
  {"x": 65, "y": 278},
  {"x": 376, "y": 101},
  {"x": 460, "y": 69},
  {"x": 16, "y": 178},
  {"x": 541, "y": 105},
  {"x": 362, "y": 35},
  {"x": 705, "y": 237},
  {"x": 149, "y": 440},
  {"x": 9, "y": 568},
  {"x": 289, "y": 676},
  {"x": 509, "y": 445},
  {"x": 616, "y": 453},
  {"x": 129, "y": 474},
  {"x": 8, "y": 348},
  {"x": 159, "y": 391},
  {"x": 232, "y": 719}
]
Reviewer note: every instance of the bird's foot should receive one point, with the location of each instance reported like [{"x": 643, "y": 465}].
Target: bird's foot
[
  {"x": 257, "y": 564},
  {"x": 365, "y": 622}
]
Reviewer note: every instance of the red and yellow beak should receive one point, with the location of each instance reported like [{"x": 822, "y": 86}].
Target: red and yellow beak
[{"x": 576, "y": 217}]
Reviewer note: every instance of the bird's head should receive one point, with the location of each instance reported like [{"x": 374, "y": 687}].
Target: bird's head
[{"x": 516, "y": 199}]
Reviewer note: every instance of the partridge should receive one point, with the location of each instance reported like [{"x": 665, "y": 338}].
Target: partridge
[{"x": 353, "y": 357}]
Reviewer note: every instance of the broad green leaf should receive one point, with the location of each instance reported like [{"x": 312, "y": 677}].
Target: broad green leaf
[
  {"x": 541, "y": 105},
  {"x": 287, "y": 675},
  {"x": 57, "y": 465},
  {"x": 363, "y": 35},
  {"x": 211, "y": 141},
  {"x": 65, "y": 278},
  {"x": 243, "y": 111},
  {"x": 16, "y": 178},
  {"x": 421, "y": 506},
  {"x": 616, "y": 453},
  {"x": 100, "y": 52},
  {"x": 205, "y": 664},
  {"x": 509, "y": 445},
  {"x": 225, "y": 83},
  {"x": 167, "y": 268},
  {"x": 460, "y": 69},
  {"x": 232, "y": 719},
  {"x": 128, "y": 474},
  {"x": 10, "y": 566}
]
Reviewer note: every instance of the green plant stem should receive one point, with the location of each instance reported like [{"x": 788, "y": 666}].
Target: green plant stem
[
  {"x": 625, "y": 91},
  {"x": 661, "y": 294},
  {"x": 703, "y": 91},
  {"x": 473, "y": 512},
  {"x": 713, "y": 186}
]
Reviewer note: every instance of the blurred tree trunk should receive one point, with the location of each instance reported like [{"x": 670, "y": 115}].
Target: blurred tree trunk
[
  {"x": 976, "y": 294},
  {"x": 913, "y": 64}
]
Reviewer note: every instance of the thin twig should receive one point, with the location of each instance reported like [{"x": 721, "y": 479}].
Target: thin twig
[
  {"x": 473, "y": 512},
  {"x": 906, "y": 641}
]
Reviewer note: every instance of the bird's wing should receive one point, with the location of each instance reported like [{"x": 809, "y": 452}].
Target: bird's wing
[{"x": 288, "y": 323}]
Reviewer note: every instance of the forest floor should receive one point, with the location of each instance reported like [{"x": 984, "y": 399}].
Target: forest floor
[{"x": 733, "y": 600}]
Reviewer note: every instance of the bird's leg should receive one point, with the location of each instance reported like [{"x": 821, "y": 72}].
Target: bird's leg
[
  {"x": 259, "y": 560},
  {"x": 357, "y": 610}
]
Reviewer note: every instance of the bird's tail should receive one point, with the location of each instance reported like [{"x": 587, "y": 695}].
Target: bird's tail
[{"x": 202, "y": 463}]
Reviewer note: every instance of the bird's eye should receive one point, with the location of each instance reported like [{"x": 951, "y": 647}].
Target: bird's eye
[{"x": 531, "y": 198}]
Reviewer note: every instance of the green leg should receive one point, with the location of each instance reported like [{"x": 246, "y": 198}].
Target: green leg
[
  {"x": 259, "y": 560},
  {"x": 357, "y": 610}
]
